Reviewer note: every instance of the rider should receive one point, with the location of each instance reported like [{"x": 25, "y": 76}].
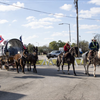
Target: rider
[
  {"x": 66, "y": 48},
  {"x": 94, "y": 45}
]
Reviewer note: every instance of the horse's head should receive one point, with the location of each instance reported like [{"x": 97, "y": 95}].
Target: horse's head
[
  {"x": 92, "y": 53},
  {"x": 25, "y": 53},
  {"x": 35, "y": 52},
  {"x": 74, "y": 51}
]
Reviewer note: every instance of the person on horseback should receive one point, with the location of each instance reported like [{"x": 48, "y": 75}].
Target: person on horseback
[
  {"x": 94, "y": 45},
  {"x": 93, "y": 49},
  {"x": 66, "y": 48}
]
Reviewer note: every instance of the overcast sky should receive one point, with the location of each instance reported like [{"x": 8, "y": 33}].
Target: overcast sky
[{"x": 38, "y": 22}]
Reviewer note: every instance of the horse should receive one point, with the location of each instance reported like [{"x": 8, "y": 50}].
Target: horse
[
  {"x": 84, "y": 56},
  {"x": 93, "y": 57},
  {"x": 32, "y": 59},
  {"x": 68, "y": 58},
  {"x": 20, "y": 60}
]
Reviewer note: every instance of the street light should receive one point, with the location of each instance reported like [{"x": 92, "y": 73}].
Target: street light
[{"x": 69, "y": 30}]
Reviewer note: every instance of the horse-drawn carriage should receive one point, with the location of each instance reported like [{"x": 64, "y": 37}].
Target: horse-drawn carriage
[{"x": 9, "y": 50}]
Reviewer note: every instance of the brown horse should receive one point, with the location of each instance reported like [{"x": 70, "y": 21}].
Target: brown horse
[
  {"x": 68, "y": 58},
  {"x": 20, "y": 60},
  {"x": 32, "y": 59}
]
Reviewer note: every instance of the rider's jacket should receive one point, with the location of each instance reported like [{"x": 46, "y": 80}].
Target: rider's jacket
[
  {"x": 66, "y": 47},
  {"x": 94, "y": 46}
]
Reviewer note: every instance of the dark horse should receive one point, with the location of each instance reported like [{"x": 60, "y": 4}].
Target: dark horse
[
  {"x": 68, "y": 58},
  {"x": 20, "y": 60},
  {"x": 32, "y": 59}
]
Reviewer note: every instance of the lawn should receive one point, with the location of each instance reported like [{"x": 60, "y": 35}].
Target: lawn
[{"x": 39, "y": 62}]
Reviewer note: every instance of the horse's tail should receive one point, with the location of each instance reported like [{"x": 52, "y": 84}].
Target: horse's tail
[
  {"x": 58, "y": 61},
  {"x": 84, "y": 56}
]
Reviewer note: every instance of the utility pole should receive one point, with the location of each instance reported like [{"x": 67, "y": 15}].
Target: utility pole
[{"x": 76, "y": 6}]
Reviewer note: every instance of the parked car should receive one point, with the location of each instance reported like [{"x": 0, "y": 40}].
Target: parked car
[{"x": 53, "y": 54}]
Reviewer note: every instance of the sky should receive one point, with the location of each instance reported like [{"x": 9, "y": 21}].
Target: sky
[{"x": 38, "y": 21}]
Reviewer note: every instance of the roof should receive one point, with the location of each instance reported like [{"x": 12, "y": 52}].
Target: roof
[{"x": 13, "y": 46}]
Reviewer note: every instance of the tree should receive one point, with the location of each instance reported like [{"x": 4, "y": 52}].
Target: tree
[
  {"x": 44, "y": 49},
  {"x": 54, "y": 45},
  {"x": 73, "y": 45},
  {"x": 84, "y": 45},
  {"x": 60, "y": 43},
  {"x": 30, "y": 47}
]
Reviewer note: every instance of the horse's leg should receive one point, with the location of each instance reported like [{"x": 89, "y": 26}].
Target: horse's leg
[
  {"x": 68, "y": 67},
  {"x": 23, "y": 66},
  {"x": 27, "y": 65},
  {"x": 20, "y": 67},
  {"x": 88, "y": 68},
  {"x": 85, "y": 62},
  {"x": 74, "y": 69},
  {"x": 94, "y": 70},
  {"x": 59, "y": 66},
  {"x": 62, "y": 67},
  {"x": 17, "y": 67},
  {"x": 30, "y": 65},
  {"x": 34, "y": 69},
  {"x": 58, "y": 63}
]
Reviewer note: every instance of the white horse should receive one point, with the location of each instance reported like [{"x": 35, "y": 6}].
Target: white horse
[{"x": 94, "y": 60}]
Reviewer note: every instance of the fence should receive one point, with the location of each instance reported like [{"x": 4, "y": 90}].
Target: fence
[{"x": 51, "y": 61}]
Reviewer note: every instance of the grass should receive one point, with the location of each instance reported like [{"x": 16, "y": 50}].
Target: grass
[{"x": 39, "y": 62}]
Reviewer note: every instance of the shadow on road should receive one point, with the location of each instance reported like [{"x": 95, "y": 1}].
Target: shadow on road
[
  {"x": 10, "y": 96},
  {"x": 51, "y": 71},
  {"x": 25, "y": 77}
]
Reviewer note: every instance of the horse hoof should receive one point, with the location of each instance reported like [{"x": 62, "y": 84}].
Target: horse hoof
[
  {"x": 88, "y": 74},
  {"x": 75, "y": 75},
  {"x": 58, "y": 70},
  {"x": 68, "y": 73},
  {"x": 94, "y": 75},
  {"x": 34, "y": 70}
]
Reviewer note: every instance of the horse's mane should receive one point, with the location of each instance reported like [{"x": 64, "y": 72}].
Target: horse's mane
[{"x": 67, "y": 54}]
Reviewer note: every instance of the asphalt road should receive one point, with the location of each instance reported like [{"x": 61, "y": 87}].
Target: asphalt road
[{"x": 49, "y": 84}]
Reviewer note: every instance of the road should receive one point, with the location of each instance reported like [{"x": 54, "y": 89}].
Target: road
[{"x": 49, "y": 84}]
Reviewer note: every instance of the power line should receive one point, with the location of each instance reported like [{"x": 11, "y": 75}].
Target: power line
[
  {"x": 36, "y": 10},
  {"x": 45, "y": 12}
]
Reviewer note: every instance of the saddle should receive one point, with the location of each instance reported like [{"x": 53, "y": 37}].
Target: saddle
[{"x": 67, "y": 56}]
